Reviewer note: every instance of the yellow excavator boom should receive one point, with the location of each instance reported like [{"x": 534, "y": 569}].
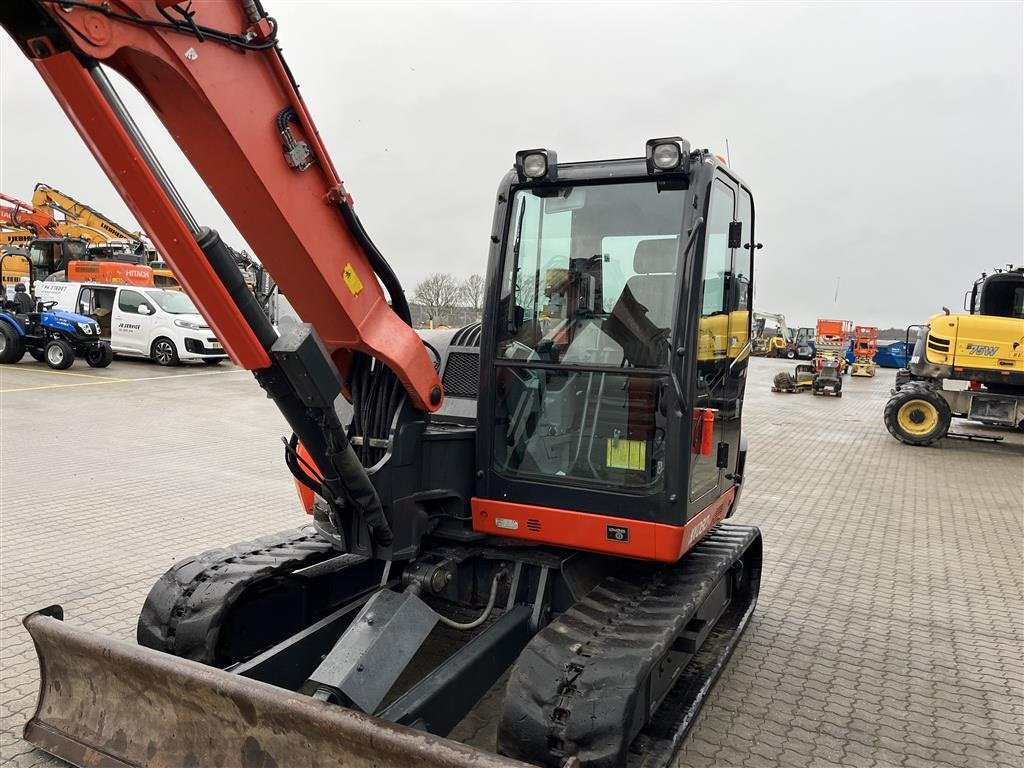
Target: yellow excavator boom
[{"x": 81, "y": 215}]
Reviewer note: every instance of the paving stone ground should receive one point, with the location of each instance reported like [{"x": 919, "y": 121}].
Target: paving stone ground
[{"x": 889, "y": 632}]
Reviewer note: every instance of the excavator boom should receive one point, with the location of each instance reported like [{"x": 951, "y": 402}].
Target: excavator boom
[
  {"x": 80, "y": 219},
  {"x": 17, "y": 214},
  {"x": 223, "y": 90}
]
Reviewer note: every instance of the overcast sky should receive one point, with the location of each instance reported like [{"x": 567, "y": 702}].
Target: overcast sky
[{"x": 883, "y": 142}]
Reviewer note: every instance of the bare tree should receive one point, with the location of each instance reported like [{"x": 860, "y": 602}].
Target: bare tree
[
  {"x": 471, "y": 293},
  {"x": 438, "y": 294}
]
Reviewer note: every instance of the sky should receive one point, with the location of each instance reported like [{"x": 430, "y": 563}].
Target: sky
[{"x": 884, "y": 142}]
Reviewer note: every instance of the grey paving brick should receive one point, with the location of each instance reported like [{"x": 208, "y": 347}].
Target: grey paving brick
[{"x": 889, "y": 630}]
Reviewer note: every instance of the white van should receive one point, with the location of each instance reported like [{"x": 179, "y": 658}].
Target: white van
[{"x": 164, "y": 326}]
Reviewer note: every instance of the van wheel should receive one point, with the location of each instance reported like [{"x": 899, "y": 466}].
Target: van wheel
[
  {"x": 164, "y": 352},
  {"x": 99, "y": 356},
  {"x": 12, "y": 346},
  {"x": 59, "y": 354}
]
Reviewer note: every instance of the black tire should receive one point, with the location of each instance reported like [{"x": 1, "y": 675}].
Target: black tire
[
  {"x": 59, "y": 354},
  {"x": 163, "y": 352},
  {"x": 213, "y": 360},
  {"x": 12, "y": 345},
  {"x": 99, "y": 356},
  {"x": 917, "y": 416},
  {"x": 784, "y": 381},
  {"x": 37, "y": 354},
  {"x": 790, "y": 354}
]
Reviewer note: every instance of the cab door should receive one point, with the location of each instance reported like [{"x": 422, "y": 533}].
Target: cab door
[
  {"x": 713, "y": 343},
  {"x": 132, "y": 328}
]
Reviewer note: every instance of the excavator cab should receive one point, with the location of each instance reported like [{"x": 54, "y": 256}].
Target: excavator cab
[
  {"x": 614, "y": 351},
  {"x": 52, "y": 254},
  {"x": 1000, "y": 294}
]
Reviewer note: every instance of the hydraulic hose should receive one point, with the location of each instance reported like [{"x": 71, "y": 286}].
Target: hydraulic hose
[
  {"x": 399, "y": 303},
  {"x": 483, "y": 616}
]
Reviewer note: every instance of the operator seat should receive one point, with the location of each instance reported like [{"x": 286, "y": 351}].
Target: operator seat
[
  {"x": 641, "y": 323},
  {"x": 23, "y": 303},
  {"x": 641, "y": 319},
  {"x": 653, "y": 285}
]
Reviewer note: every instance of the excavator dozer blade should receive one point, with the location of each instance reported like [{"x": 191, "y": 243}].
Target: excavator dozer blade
[{"x": 108, "y": 703}]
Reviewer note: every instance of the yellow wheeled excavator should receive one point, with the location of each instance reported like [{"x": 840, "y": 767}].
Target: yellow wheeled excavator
[
  {"x": 542, "y": 494},
  {"x": 984, "y": 348}
]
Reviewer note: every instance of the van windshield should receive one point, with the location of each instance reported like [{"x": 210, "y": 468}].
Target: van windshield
[{"x": 174, "y": 302}]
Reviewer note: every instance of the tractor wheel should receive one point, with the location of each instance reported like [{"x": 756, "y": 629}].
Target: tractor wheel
[
  {"x": 164, "y": 352},
  {"x": 37, "y": 354},
  {"x": 99, "y": 356},
  {"x": 59, "y": 354},
  {"x": 12, "y": 346},
  {"x": 784, "y": 381},
  {"x": 790, "y": 354},
  {"x": 918, "y": 416}
]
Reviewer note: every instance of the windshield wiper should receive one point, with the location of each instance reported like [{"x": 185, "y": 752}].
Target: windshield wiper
[{"x": 510, "y": 321}]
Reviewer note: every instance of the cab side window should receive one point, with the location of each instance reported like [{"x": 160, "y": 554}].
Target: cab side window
[
  {"x": 716, "y": 254},
  {"x": 130, "y": 301}
]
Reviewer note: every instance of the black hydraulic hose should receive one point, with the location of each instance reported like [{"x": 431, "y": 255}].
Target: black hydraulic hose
[
  {"x": 293, "y": 461},
  {"x": 399, "y": 303},
  {"x": 361, "y": 491}
]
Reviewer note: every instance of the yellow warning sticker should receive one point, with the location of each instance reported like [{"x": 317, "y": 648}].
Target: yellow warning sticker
[
  {"x": 626, "y": 454},
  {"x": 352, "y": 279}
]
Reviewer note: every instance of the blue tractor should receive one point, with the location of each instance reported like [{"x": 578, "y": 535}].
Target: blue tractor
[{"x": 52, "y": 336}]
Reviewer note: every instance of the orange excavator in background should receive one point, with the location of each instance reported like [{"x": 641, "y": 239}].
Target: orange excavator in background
[
  {"x": 17, "y": 214},
  {"x": 36, "y": 242},
  {"x": 53, "y": 245},
  {"x": 541, "y": 494}
]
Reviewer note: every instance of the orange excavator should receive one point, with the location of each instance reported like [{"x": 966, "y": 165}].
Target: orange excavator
[
  {"x": 17, "y": 214},
  {"x": 542, "y": 494},
  {"x": 47, "y": 246}
]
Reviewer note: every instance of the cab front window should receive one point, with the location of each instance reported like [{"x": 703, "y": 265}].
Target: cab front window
[
  {"x": 590, "y": 275},
  {"x": 586, "y": 320}
]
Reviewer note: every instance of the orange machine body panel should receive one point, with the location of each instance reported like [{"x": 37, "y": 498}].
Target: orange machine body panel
[
  {"x": 598, "y": 533},
  {"x": 111, "y": 272}
]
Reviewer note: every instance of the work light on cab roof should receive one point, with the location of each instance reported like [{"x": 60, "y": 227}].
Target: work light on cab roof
[
  {"x": 667, "y": 155},
  {"x": 536, "y": 165}
]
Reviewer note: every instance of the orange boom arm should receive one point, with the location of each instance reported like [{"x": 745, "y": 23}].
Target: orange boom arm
[{"x": 217, "y": 81}]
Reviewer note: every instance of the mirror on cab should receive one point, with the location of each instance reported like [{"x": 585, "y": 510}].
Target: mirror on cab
[{"x": 144, "y": 309}]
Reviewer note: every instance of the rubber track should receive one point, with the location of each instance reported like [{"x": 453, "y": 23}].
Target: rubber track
[
  {"x": 187, "y": 606},
  {"x": 575, "y": 688}
]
